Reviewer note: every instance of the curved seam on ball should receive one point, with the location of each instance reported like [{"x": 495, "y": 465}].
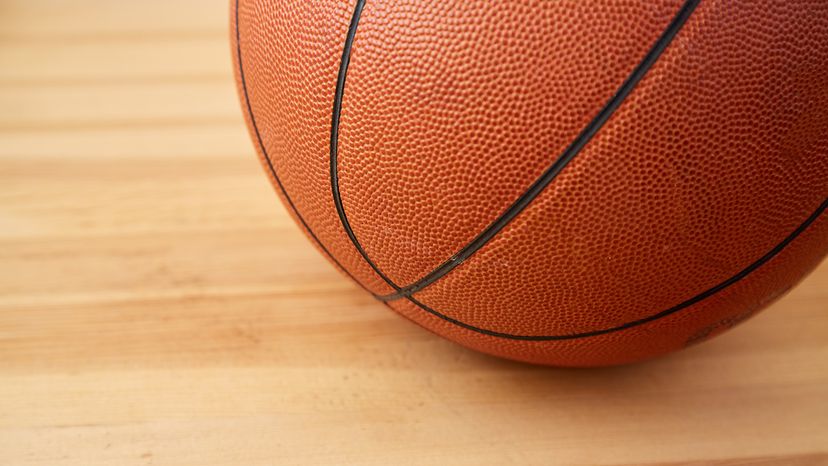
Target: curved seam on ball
[
  {"x": 685, "y": 304},
  {"x": 559, "y": 164},
  {"x": 334, "y": 150},
  {"x": 270, "y": 163}
]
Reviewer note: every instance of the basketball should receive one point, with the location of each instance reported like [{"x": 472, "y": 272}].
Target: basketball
[{"x": 570, "y": 183}]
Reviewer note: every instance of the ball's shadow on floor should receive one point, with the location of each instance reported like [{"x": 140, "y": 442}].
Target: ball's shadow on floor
[{"x": 678, "y": 391}]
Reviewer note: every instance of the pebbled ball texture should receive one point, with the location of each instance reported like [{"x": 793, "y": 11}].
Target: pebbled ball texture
[{"x": 573, "y": 183}]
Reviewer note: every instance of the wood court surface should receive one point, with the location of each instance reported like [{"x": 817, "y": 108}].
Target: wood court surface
[{"x": 159, "y": 307}]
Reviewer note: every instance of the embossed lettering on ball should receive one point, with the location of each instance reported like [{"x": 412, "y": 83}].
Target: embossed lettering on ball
[{"x": 574, "y": 183}]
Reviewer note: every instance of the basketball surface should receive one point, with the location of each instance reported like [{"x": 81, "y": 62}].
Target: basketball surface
[{"x": 572, "y": 183}]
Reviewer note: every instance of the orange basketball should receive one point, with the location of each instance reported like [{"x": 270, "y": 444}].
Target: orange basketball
[{"x": 577, "y": 182}]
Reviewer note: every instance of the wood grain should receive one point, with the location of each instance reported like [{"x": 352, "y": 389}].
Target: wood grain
[{"x": 158, "y": 306}]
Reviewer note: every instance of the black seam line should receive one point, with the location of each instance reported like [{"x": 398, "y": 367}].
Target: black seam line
[
  {"x": 335, "y": 117},
  {"x": 267, "y": 157},
  {"x": 694, "y": 300},
  {"x": 568, "y": 155}
]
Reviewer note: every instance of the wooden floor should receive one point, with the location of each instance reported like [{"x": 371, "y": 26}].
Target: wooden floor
[{"x": 158, "y": 306}]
